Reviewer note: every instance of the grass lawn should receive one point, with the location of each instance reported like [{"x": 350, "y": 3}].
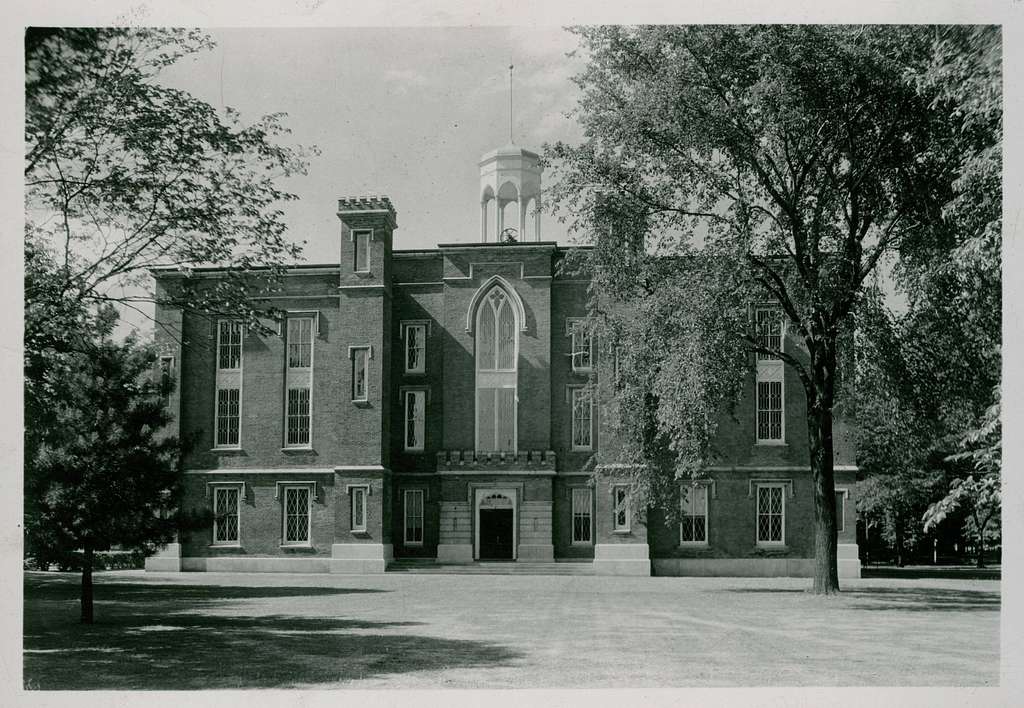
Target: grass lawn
[{"x": 198, "y": 631}]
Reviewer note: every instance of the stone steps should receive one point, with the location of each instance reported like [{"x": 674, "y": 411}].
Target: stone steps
[{"x": 429, "y": 565}]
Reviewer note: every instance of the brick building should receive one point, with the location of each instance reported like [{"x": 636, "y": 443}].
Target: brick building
[{"x": 434, "y": 404}]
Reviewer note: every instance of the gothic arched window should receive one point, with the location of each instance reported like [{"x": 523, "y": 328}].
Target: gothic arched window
[{"x": 497, "y": 352}]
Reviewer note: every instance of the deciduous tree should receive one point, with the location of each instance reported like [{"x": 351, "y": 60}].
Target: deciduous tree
[
  {"x": 124, "y": 173},
  {"x": 792, "y": 158}
]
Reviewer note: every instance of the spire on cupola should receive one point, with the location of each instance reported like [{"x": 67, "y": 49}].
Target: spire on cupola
[{"x": 509, "y": 176}]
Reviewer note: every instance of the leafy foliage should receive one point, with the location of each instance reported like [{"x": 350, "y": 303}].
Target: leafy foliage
[
  {"x": 123, "y": 173},
  {"x": 935, "y": 367},
  {"x": 789, "y": 160}
]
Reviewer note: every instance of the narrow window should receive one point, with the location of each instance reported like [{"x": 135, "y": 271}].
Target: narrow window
[
  {"x": 582, "y": 419},
  {"x": 694, "y": 526},
  {"x": 620, "y": 508},
  {"x": 582, "y": 348},
  {"x": 770, "y": 387},
  {"x": 361, "y": 239},
  {"x": 228, "y": 398},
  {"x": 840, "y": 511},
  {"x": 360, "y": 364},
  {"x": 166, "y": 377},
  {"x": 299, "y": 381},
  {"x": 771, "y": 514},
  {"x": 358, "y": 508},
  {"x": 228, "y": 417},
  {"x": 581, "y": 515},
  {"x": 413, "y": 517},
  {"x": 296, "y": 515},
  {"x": 225, "y": 515},
  {"x": 298, "y": 417},
  {"x": 414, "y": 419},
  {"x": 769, "y": 410},
  {"x": 415, "y": 349},
  {"x": 769, "y": 331},
  {"x": 229, "y": 345},
  {"x": 300, "y": 342}
]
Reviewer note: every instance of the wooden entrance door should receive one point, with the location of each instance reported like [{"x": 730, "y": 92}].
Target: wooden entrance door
[{"x": 496, "y": 532}]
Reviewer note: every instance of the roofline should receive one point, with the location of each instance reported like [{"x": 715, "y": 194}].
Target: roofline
[
  {"x": 330, "y": 268},
  {"x": 306, "y": 268}
]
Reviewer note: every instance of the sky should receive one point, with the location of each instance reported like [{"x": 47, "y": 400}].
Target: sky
[{"x": 405, "y": 112}]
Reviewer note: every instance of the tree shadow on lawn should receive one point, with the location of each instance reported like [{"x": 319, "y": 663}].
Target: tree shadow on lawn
[
  {"x": 140, "y": 644},
  {"x": 68, "y": 588},
  {"x": 906, "y": 599}
]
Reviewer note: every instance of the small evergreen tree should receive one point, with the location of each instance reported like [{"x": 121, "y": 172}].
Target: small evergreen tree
[{"x": 103, "y": 473}]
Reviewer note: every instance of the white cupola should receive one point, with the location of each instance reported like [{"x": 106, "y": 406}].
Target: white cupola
[{"x": 509, "y": 176}]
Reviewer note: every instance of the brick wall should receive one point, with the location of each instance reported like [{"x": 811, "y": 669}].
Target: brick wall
[{"x": 261, "y": 514}]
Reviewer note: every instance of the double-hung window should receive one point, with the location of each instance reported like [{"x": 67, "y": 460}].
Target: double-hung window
[
  {"x": 620, "y": 508},
  {"x": 299, "y": 381},
  {"x": 226, "y": 507},
  {"x": 413, "y": 517},
  {"x": 358, "y": 510},
  {"x": 582, "y": 419},
  {"x": 693, "y": 528},
  {"x": 415, "y": 418},
  {"x": 296, "y": 517},
  {"x": 415, "y": 348},
  {"x": 582, "y": 504},
  {"x": 582, "y": 347},
  {"x": 771, "y": 514},
  {"x": 361, "y": 242},
  {"x": 228, "y": 406},
  {"x": 770, "y": 394}
]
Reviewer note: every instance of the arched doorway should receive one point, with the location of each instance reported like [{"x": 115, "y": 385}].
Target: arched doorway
[{"x": 495, "y": 524}]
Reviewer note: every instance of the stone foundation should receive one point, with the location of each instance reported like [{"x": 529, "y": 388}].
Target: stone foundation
[
  {"x": 536, "y": 552},
  {"x": 455, "y": 553},
  {"x": 849, "y": 566},
  {"x": 166, "y": 560},
  {"x": 360, "y": 558},
  {"x": 622, "y": 559}
]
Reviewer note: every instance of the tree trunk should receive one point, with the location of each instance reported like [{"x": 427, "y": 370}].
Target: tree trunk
[
  {"x": 899, "y": 545},
  {"x": 819, "y": 433},
  {"x": 981, "y": 542},
  {"x": 87, "y": 585}
]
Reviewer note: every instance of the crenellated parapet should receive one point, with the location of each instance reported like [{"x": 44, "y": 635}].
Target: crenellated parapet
[{"x": 472, "y": 460}]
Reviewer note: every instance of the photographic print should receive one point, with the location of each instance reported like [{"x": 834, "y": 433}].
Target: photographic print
[{"x": 562, "y": 356}]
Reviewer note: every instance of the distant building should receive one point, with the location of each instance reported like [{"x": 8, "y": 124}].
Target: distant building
[{"x": 433, "y": 404}]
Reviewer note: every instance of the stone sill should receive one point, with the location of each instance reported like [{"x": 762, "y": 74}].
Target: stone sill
[
  {"x": 622, "y": 532},
  {"x": 227, "y": 450},
  {"x": 235, "y": 546}
]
